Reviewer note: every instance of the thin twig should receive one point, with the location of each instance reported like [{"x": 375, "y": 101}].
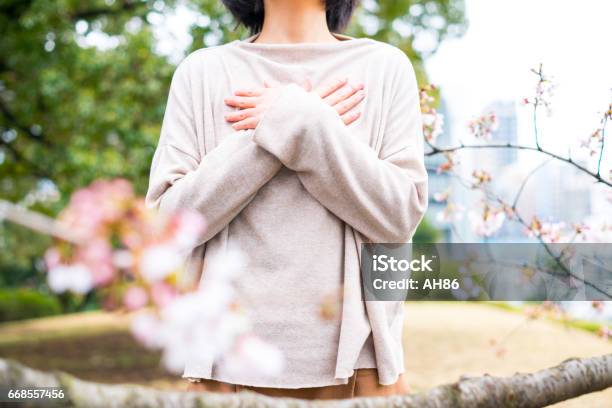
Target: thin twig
[
  {"x": 441, "y": 150},
  {"x": 524, "y": 183},
  {"x": 535, "y": 108},
  {"x": 603, "y": 140}
]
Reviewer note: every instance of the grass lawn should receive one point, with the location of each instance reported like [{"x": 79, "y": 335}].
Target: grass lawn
[
  {"x": 94, "y": 346},
  {"x": 442, "y": 342}
]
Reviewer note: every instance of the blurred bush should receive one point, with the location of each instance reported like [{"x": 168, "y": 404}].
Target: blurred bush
[
  {"x": 18, "y": 304},
  {"x": 426, "y": 233}
]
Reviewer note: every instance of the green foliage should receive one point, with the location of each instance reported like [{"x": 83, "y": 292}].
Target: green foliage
[
  {"x": 404, "y": 22},
  {"x": 18, "y": 261},
  {"x": 76, "y": 113},
  {"x": 17, "y": 304},
  {"x": 71, "y": 113},
  {"x": 426, "y": 233},
  {"x": 12, "y": 275}
]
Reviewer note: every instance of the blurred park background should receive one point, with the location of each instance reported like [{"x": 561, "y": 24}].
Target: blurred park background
[{"x": 83, "y": 86}]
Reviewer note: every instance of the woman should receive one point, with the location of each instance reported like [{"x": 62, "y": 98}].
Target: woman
[{"x": 274, "y": 141}]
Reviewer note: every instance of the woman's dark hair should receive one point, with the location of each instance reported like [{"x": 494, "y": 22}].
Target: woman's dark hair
[{"x": 250, "y": 13}]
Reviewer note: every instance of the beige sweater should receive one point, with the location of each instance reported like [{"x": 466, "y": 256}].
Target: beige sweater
[{"x": 298, "y": 195}]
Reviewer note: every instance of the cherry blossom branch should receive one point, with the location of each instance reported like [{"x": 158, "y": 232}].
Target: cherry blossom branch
[
  {"x": 36, "y": 221},
  {"x": 570, "y": 379},
  {"x": 482, "y": 127},
  {"x": 445, "y": 150},
  {"x": 517, "y": 217},
  {"x": 108, "y": 240},
  {"x": 603, "y": 139}
]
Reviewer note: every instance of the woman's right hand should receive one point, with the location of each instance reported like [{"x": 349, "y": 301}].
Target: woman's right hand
[
  {"x": 253, "y": 103},
  {"x": 343, "y": 97}
]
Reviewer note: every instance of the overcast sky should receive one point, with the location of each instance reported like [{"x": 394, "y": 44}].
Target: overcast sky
[{"x": 506, "y": 38}]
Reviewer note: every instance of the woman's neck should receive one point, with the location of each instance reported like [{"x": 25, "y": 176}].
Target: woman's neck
[{"x": 294, "y": 21}]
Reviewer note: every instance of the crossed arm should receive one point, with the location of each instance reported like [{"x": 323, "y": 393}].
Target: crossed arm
[{"x": 383, "y": 196}]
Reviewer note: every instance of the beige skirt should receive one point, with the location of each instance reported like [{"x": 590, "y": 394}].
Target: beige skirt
[{"x": 364, "y": 383}]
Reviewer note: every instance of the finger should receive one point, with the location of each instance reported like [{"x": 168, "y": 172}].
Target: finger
[
  {"x": 267, "y": 84},
  {"x": 248, "y": 123},
  {"x": 307, "y": 85},
  {"x": 348, "y": 104},
  {"x": 325, "y": 90},
  {"x": 241, "y": 114},
  {"x": 342, "y": 94},
  {"x": 350, "y": 117},
  {"x": 249, "y": 92},
  {"x": 242, "y": 102}
]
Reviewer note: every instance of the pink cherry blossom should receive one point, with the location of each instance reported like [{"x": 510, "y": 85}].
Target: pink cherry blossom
[
  {"x": 441, "y": 196},
  {"x": 544, "y": 90},
  {"x": 483, "y": 126},
  {"x": 91, "y": 209},
  {"x": 97, "y": 254},
  {"x": 595, "y": 230},
  {"x": 125, "y": 244},
  {"x": 488, "y": 222},
  {"x": 76, "y": 278},
  {"x": 481, "y": 177},
  {"x": 162, "y": 293},
  {"x": 52, "y": 257},
  {"x": 548, "y": 232},
  {"x": 158, "y": 261},
  {"x": 433, "y": 125},
  {"x": 449, "y": 165},
  {"x": 145, "y": 327},
  {"x": 451, "y": 213},
  {"x": 253, "y": 355},
  {"x": 432, "y": 120},
  {"x": 188, "y": 226},
  {"x": 135, "y": 298}
]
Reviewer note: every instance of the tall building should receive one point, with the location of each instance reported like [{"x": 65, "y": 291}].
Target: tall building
[
  {"x": 506, "y": 132},
  {"x": 500, "y": 161},
  {"x": 497, "y": 162},
  {"x": 563, "y": 193}
]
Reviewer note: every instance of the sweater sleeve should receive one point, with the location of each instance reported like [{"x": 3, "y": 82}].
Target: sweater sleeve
[
  {"x": 219, "y": 184},
  {"x": 383, "y": 196}
]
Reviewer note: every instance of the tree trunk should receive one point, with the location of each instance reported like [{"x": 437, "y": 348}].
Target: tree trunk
[{"x": 570, "y": 379}]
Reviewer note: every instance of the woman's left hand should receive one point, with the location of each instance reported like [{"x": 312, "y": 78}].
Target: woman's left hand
[{"x": 253, "y": 103}]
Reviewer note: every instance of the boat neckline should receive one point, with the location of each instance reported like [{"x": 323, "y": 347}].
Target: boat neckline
[{"x": 344, "y": 40}]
